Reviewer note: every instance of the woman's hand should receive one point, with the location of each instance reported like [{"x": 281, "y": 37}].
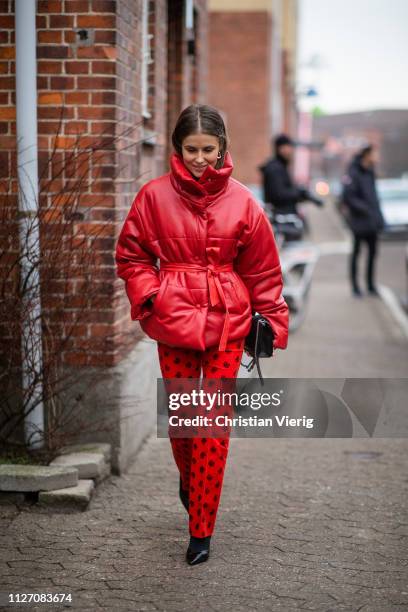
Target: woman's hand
[{"x": 150, "y": 300}]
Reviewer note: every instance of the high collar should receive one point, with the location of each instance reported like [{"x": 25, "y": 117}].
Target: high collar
[{"x": 204, "y": 190}]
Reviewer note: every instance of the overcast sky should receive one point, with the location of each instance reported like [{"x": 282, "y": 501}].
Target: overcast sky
[{"x": 363, "y": 48}]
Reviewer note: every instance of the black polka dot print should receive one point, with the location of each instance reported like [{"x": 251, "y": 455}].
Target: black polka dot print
[{"x": 201, "y": 461}]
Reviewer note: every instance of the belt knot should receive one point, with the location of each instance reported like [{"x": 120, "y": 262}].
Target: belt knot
[{"x": 216, "y": 292}]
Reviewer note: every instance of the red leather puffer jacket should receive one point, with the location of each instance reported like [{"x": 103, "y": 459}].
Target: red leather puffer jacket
[{"x": 218, "y": 259}]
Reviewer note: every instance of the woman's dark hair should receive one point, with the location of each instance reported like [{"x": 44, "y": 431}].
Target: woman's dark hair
[
  {"x": 201, "y": 118},
  {"x": 364, "y": 151}
]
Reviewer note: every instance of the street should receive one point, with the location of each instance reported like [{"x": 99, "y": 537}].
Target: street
[
  {"x": 131, "y": 133},
  {"x": 343, "y": 336},
  {"x": 304, "y": 524}
]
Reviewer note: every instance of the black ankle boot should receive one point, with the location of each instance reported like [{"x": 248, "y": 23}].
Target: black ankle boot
[
  {"x": 183, "y": 496},
  {"x": 198, "y": 550},
  {"x": 373, "y": 291},
  {"x": 357, "y": 292}
]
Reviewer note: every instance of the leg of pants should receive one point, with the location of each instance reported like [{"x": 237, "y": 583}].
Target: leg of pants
[
  {"x": 354, "y": 262},
  {"x": 201, "y": 461},
  {"x": 371, "y": 240}
]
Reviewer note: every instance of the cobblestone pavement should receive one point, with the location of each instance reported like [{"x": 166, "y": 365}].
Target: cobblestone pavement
[{"x": 304, "y": 524}]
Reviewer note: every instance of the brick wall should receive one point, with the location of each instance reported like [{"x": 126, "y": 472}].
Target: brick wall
[
  {"x": 7, "y": 108},
  {"x": 80, "y": 83},
  {"x": 187, "y": 74},
  {"x": 239, "y": 84},
  {"x": 90, "y": 95},
  {"x": 129, "y": 119}
]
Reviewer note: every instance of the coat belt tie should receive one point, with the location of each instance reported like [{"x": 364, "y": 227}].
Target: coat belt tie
[{"x": 215, "y": 289}]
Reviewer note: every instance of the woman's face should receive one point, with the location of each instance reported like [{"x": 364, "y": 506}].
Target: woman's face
[{"x": 199, "y": 151}]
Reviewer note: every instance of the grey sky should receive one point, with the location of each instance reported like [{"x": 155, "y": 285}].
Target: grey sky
[{"x": 364, "y": 44}]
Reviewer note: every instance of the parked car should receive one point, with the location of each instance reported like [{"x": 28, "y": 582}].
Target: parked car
[{"x": 393, "y": 194}]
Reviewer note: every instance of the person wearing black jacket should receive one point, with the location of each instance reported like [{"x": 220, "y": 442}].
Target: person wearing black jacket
[
  {"x": 279, "y": 190},
  {"x": 363, "y": 215}
]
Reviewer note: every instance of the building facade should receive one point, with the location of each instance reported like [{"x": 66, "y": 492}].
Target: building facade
[
  {"x": 252, "y": 59},
  {"x": 112, "y": 77},
  {"x": 341, "y": 135}
]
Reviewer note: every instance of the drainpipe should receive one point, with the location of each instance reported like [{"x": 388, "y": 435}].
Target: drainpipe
[{"x": 27, "y": 164}]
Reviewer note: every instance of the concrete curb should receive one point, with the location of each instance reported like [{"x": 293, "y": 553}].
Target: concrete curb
[
  {"x": 390, "y": 300},
  {"x": 32, "y": 478},
  {"x": 69, "y": 481}
]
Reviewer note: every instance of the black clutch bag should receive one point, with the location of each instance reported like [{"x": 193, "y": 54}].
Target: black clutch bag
[{"x": 259, "y": 342}]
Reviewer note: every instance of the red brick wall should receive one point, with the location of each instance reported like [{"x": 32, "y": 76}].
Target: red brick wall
[
  {"x": 158, "y": 85},
  {"x": 172, "y": 86},
  {"x": 80, "y": 83},
  {"x": 175, "y": 65},
  {"x": 96, "y": 91},
  {"x": 9, "y": 274},
  {"x": 128, "y": 158},
  {"x": 187, "y": 75},
  {"x": 7, "y": 85},
  {"x": 239, "y": 84}
]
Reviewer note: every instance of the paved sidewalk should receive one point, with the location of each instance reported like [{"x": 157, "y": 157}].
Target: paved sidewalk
[
  {"x": 342, "y": 336},
  {"x": 304, "y": 524}
]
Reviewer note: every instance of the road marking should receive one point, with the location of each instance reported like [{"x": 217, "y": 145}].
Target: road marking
[{"x": 390, "y": 299}]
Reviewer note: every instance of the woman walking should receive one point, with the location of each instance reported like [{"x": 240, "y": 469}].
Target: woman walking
[
  {"x": 364, "y": 217},
  {"x": 218, "y": 263}
]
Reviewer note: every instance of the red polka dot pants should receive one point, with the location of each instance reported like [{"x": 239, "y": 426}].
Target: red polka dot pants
[{"x": 201, "y": 461}]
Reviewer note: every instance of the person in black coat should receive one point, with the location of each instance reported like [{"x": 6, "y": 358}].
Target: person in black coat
[
  {"x": 363, "y": 215},
  {"x": 279, "y": 190}
]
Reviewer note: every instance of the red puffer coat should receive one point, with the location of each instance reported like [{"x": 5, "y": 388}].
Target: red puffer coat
[{"x": 218, "y": 259}]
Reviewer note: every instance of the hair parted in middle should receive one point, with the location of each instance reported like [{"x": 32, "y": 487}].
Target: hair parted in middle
[{"x": 204, "y": 119}]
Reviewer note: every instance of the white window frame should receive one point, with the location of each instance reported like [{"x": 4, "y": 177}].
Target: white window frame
[{"x": 146, "y": 59}]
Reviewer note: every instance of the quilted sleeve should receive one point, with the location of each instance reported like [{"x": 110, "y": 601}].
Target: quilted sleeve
[
  {"x": 134, "y": 263},
  {"x": 258, "y": 264}
]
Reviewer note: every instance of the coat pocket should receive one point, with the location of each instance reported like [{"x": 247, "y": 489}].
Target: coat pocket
[
  {"x": 174, "y": 301},
  {"x": 159, "y": 294},
  {"x": 235, "y": 300},
  {"x": 241, "y": 292}
]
